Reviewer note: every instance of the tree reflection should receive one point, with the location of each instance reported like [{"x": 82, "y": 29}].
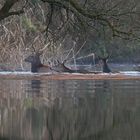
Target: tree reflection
[{"x": 69, "y": 110}]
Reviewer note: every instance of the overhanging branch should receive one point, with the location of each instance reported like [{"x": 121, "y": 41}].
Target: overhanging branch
[
  {"x": 103, "y": 18},
  {"x": 5, "y": 10}
]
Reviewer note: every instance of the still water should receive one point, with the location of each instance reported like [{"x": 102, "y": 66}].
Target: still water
[{"x": 69, "y": 109}]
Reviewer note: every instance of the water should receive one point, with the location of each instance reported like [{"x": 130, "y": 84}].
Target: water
[{"x": 69, "y": 109}]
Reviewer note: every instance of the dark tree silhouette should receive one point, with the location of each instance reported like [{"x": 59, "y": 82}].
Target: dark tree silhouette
[{"x": 5, "y": 11}]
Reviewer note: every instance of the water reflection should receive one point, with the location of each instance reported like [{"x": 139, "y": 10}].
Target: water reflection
[{"x": 69, "y": 110}]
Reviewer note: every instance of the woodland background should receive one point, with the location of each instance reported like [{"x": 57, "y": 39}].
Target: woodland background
[{"x": 67, "y": 29}]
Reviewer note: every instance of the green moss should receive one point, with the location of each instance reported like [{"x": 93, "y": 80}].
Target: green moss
[{"x": 28, "y": 24}]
